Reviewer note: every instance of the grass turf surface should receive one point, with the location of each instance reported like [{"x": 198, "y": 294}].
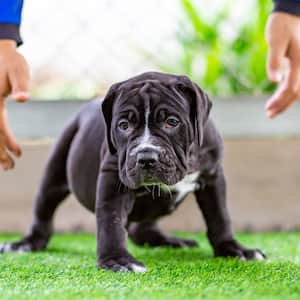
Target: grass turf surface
[{"x": 67, "y": 271}]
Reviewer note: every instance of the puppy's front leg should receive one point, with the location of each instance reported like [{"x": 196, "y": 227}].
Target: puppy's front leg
[
  {"x": 212, "y": 201},
  {"x": 112, "y": 208}
]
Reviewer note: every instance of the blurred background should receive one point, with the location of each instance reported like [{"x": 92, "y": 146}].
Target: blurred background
[{"x": 77, "y": 51}]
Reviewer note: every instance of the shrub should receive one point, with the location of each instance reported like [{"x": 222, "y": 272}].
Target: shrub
[{"x": 222, "y": 65}]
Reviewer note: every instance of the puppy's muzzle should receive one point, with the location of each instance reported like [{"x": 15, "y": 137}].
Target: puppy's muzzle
[{"x": 147, "y": 159}]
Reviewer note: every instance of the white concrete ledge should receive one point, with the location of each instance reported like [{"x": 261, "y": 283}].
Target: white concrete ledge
[{"x": 237, "y": 117}]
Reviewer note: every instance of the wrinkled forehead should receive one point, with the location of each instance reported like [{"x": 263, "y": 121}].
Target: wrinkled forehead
[{"x": 151, "y": 96}]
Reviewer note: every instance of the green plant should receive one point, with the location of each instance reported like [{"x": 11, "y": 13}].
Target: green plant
[{"x": 222, "y": 65}]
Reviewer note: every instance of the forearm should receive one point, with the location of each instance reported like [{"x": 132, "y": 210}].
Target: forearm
[
  {"x": 287, "y": 6},
  {"x": 10, "y": 20}
]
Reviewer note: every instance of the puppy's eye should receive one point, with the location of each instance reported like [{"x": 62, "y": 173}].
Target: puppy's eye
[
  {"x": 123, "y": 125},
  {"x": 171, "y": 122}
]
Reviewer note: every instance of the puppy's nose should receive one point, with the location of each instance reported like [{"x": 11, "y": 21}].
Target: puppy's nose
[{"x": 147, "y": 160}]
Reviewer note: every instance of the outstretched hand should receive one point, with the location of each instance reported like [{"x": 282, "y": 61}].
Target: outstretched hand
[
  {"x": 283, "y": 66},
  {"x": 14, "y": 80}
]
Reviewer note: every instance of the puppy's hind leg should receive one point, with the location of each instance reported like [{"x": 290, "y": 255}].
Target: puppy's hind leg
[
  {"x": 212, "y": 202},
  {"x": 148, "y": 233},
  {"x": 52, "y": 191}
]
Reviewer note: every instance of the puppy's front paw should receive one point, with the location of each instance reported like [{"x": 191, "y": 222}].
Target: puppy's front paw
[
  {"x": 122, "y": 264},
  {"x": 233, "y": 249},
  {"x": 27, "y": 244},
  {"x": 15, "y": 247}
]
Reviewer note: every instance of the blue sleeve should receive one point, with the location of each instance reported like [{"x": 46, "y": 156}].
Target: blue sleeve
[
  {"x": 10, "y": 20},
  {"x": 288, "y": 6},
  {"x": 10, "y": 11}
]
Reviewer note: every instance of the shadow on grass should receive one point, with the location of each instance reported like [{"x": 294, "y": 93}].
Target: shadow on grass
[{"x": 145, "y": 254}]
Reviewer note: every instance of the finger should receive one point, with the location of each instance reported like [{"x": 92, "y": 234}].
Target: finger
[
  {"x": 279, "y": 103},
  {"x": 19, "y": 81},
  {"x": 278, "y": 44},
  {"x": 274, "y": 65},
  {"x": 287, "y": 93},
  {"x": 20, "y": 96},
  {"x": 4, "y": 86},
  {"x": 8, "y": 137},
  {"x": 3, "y": 153},
  {"x": 12, "y": 144},
  {"x": 6, "y": 160},
  {"x": 8, "y": 164}
]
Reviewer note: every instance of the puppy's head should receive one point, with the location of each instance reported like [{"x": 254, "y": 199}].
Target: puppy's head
[{"x": 152, "y": 120}]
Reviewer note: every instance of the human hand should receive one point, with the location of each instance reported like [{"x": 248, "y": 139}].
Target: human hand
[
  {"x": 14, "y": 80},
  {"x": 283, "y": 64}
]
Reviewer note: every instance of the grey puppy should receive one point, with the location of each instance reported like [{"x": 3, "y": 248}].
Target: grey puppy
[{"x": 135, "y": 162}]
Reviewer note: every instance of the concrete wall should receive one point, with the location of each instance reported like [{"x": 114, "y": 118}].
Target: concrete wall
[
  {"x": 263, "y": 171},
  {"x": 263, "y": 188}
]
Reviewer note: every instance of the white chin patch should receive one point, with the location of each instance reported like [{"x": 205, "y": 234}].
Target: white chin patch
[
  {"x": 258, "y": 256},
  {"x": 138, "y": 269}
]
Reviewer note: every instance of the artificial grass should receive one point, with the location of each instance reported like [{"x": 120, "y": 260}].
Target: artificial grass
[{"x": 67, "y": 270}]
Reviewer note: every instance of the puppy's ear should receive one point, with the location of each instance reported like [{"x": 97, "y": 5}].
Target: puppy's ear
[
  {"x": 107, "y": 110},
  {"x": 200, "y": 105}
]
